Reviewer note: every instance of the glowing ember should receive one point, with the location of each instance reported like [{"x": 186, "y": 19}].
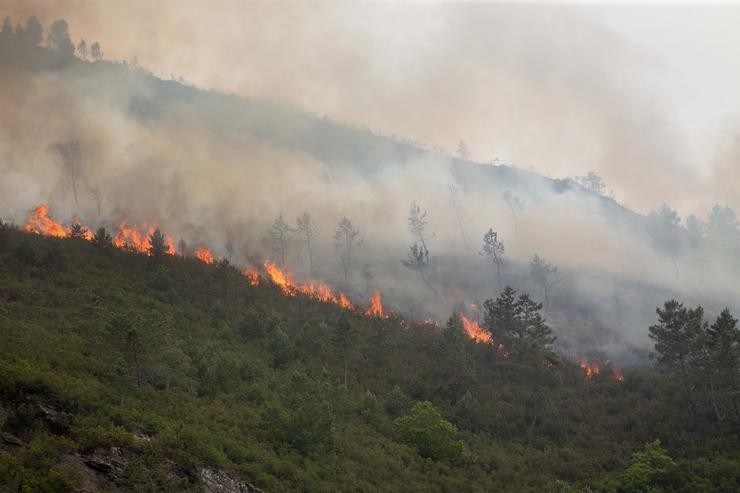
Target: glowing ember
[
  {"x": 39, "y": 223},
  {"x": 251, "y": 274},
  {"x": 591, "y": 369},
  {"x": 474, "y": 330},
  {"x": 204, "y": 255},
  {"x": 617, "y": 375},
  {"x": 376, "y": 306}
]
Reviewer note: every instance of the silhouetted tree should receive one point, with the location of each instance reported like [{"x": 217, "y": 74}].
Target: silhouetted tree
[
  {"x": 493, "y": 250},
  {"x": 542, "y": 272},
  {"x": 453, "y": 197},
  {"x": 462, "y": 150},
  {"x": 515, "y": 205},
  {"x": 95, "y": 51},
  {"x": 158, "y": 247},
  {"x": 78, "y": 231},
  {"x": 58, "y": 38},
  {"x": 347, "y": 242},
  {"x": 723, "y": 229},
  {"x": 82, "y": 50},
  {"x": 278, "y": 238},
  {"x": 69, "y": 156},
  {"x": 102, "y": 239},
  {"x": 664, "y": 229},
  {"x": 6, "y": 30},
  {"x": 418, "y": 223},
  {"x": 307, "y": 229}
]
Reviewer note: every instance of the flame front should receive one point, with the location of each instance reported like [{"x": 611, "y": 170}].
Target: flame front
[
  {"x": 376, "y": 306},
  {"x": 591, "y": 369},
  {"x": 474, "y": 330},
  {"x": 321, "y": 292},
  {"x": 204, "y": 254},
  {"x": 39, "y": 223}
]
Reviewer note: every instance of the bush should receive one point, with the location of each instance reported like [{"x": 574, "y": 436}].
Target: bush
[{"x": 426, "y": 429}]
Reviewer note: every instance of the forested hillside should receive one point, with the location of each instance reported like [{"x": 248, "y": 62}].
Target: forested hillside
[{"x": 128, "y": 371}]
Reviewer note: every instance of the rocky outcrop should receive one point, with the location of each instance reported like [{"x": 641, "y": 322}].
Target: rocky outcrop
[{"x": 215, "y": 481}]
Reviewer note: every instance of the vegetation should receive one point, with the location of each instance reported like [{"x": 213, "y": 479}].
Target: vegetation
[{"x": 177, "y": 365}]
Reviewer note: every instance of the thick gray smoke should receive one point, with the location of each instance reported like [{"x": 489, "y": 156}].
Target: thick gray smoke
[{"x": 213, "y": 169}]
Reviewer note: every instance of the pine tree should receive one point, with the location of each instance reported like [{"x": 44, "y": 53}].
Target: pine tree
[
  {"x": 723, "y": 344},
  {"x": 678, "y": 335},
  {"x": 158, "y": 246},
  {"x": 102, "y": 239}
]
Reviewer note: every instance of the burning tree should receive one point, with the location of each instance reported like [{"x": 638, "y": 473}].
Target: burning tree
[
  {"x": 307, "y": 229},
  {"x": 347, "y": 242},
  {"x": 493, "y": 250}
]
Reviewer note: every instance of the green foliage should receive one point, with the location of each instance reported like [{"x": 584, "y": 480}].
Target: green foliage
[
  {"x": 650, "y": 471},
  {"x": 182, "y": 365},
  {"x": 426, "y": 429}
]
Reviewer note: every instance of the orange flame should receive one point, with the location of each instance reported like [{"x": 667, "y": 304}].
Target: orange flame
[
  {"x": 280, "y": 278},
  {"x": 283, "y": 280},
  {"x": 39, "y": 223},
  {"x": 204, "y": 254},
  {"x": 137, "y": 238},
  {"x": 617, "y": 375},
  {"x": 251, "y": 274},
  {"x": 474, "y": 330},
  {"x": 376, "y": 306},
  {"x": 591, "y": 369}
]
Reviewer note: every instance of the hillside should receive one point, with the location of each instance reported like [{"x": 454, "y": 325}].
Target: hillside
[{"x": 121, "y": 371}]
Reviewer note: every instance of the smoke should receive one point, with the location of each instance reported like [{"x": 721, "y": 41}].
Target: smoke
[{"x": 163, "y": 154}]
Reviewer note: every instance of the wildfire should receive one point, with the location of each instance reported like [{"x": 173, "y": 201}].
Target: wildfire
[
  {"x": 376, "y": 306},
  {"x": 204, "y": 254},
  {"x": 39, "y": 223},
  {"x": 591, "y": 369},
  {"x": 617, "y": 375},
  {"x": 474, "y": 330},
  {"x": 251, "y": 274},
  {"x": 290, "y": 287},
  {"x": 136, "y": 238}
]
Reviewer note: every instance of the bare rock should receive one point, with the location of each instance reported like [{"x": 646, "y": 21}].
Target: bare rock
[{"x": 215, "y": 481}]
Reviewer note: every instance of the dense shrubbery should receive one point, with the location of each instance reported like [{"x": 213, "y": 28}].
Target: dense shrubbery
[{"x": 182, "y": 365}]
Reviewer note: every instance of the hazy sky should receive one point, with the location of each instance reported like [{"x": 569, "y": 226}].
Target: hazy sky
[{"x": 646, "y": 96}]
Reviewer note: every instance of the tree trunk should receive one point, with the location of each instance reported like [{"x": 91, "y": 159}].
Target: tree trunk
[
  {"x": 310, "y": 255},
  {"x": 536, "y": 408},
  {"x": 345, "y": 371},
  {"x": 690, "y": 396},
  {"x": 462, "y": 230}
]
